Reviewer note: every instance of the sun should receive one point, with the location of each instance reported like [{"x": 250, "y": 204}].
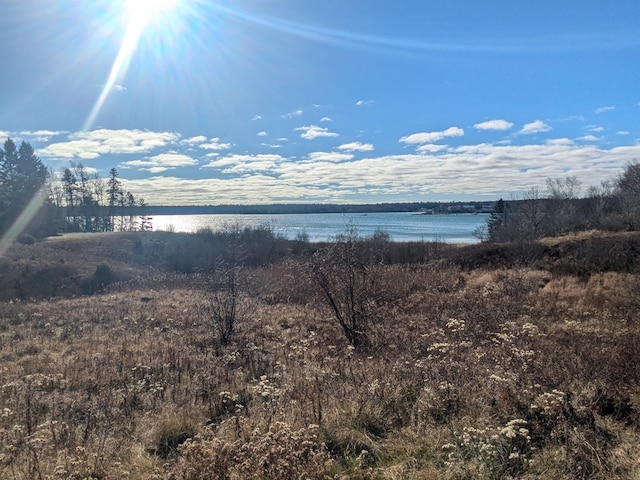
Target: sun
[
  {"x": 150, "y": 8},
  {"x": 139, "y": 15},
  {"x": 142, "y": 12}
]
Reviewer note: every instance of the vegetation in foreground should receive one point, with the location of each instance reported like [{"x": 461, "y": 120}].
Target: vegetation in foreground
[{"x": 169, "y": 356}]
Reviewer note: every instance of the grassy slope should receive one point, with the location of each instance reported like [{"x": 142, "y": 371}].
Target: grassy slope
[{"x": 473, "y": 373}]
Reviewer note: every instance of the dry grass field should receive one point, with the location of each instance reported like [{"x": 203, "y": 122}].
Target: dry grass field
[{"x": 487, "y": 362}]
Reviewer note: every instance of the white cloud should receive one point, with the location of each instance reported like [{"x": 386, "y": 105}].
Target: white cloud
[
  {"x": 271, "y": 145},
  {"x": 559, "y": 141},
  {"x": 326, "y": 119},
  {"x": 430, "y": 137},
  {"x": 356, "y": 147},
  {"x": 214, "y": 144},
  {"x": 594, "y": 128},
  {"x": 622, "y": 132},
  {"x": 483, "y": 169},
  {"x": 119, "y": 88},
  {"x": 262, "y": 134},
  {"x": 588, "y": 138},
  {"x": 257, "y": 117},
  {"x": 493, "y": 125},
  {"x": 94, "y": 143},
  {"x": 329, "y": 157},
  {"x": 195, "y": 140},
  {"x": 430, "y": 148},
  {"x": 261, "y": 162},
  {"x": 537, "y": 126},
  {"x": 42, "y": 135},
  {"x": 312, "y": 132},
  {"x": 293, "y": 114},
  {"x": 600, "y": 110},
  {"x": 162, "y": 162},
  {"x": 360, "y": 103}
]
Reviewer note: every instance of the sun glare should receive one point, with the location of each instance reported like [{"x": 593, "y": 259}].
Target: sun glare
[
  {"x": 139, "y": 15},
  {"x": 149, "y": 8}
]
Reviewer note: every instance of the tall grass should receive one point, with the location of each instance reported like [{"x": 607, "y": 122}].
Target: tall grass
[{"x": 469, "y": 373}]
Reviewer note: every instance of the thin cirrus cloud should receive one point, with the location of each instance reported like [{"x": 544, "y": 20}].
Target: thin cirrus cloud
[
  {"x": 311, "y": 132},
  {"x": 537, "y": 126},
  {"x": 600, "y": 110},
  {"x": 262, "y": 134},
  {"x": 295, "y": 113},
  {"x": 430, "y": 137},
  {"x": 493, "y": 125}
]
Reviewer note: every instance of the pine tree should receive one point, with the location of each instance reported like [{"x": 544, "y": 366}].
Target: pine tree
[
  {"x": 22, "y": 178},
  {"x": 114, "y": 198}
]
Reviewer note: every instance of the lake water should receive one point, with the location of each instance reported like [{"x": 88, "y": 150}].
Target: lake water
[{"x": 402, "y": 226}]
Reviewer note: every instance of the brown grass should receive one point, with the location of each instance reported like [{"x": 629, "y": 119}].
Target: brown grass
[{"x": 474, "y": 373}]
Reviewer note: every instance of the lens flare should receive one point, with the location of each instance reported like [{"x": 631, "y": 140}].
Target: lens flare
[
  {"x": 139, "y": 14},
  {"x": 22, "y": 221}
]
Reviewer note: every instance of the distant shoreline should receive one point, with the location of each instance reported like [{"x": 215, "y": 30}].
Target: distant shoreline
[{"x": 274, "y": 209}]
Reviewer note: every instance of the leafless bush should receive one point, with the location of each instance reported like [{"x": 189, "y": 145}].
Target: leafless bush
[{"x": 345, "y": 280}]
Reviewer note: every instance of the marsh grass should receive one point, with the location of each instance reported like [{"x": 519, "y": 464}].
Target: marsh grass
[{"x": 509, "y": 372}]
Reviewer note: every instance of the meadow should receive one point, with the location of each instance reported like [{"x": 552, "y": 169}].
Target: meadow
[{"x": 197, "y": 356}]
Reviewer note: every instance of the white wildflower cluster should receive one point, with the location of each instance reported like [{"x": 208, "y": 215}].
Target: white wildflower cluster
[
  {"x": 530, "y": 329},
  {"x": 455, "y": 325},
  {"x": 374, "y": 386},
  {"x": 231, "y": 358},
  {"x": 504, "y": 446},
  {"x": 439, "y": 348},
  {"x": 228, "y": 397},
  {"x": 516, "y": 428},
  {"x": 230, "y": 402},
  {"x": 549, "y": 403},
  {"x": 266, "y": 390}
]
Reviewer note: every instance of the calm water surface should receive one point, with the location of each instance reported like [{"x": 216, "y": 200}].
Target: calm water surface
[{"x": 325, "y": 226}]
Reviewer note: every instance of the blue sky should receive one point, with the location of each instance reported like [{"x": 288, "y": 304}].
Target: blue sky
[{"x": 358, "y": 101}]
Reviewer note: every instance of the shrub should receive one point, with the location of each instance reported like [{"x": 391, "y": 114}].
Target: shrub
[
  {"x": 26, "y": 239},
  {"x": 172, "y": 433},
  {"x": 279, "y": 452},
  {"x": 102, "y": 277}
]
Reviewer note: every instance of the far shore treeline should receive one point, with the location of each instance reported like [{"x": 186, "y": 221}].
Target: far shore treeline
[
  {"x": 312, "y": 208},
  {"x": 41, "y": 203}
]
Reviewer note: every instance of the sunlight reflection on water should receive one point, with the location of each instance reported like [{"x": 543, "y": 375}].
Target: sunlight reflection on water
[{"x": 325, "y": 226}]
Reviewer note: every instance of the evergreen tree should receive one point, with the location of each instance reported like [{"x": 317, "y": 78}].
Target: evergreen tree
[
  {"x": 114, "y": 198},
  {"x": 22, "y": 180},
  {"x": 497, "y": 222},
  {"x": 70, "y": 188}
]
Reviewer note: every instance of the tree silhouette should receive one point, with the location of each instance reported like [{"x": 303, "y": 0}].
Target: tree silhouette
[{"x": 22, "y": 178}]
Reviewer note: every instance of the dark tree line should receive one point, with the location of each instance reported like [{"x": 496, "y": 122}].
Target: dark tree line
[
  {"x": 559, "y": 209},
  {"x": 23, "y": 194},
  {"x": 93, "y": 204},
  {"x": 38, "y": 204}
]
